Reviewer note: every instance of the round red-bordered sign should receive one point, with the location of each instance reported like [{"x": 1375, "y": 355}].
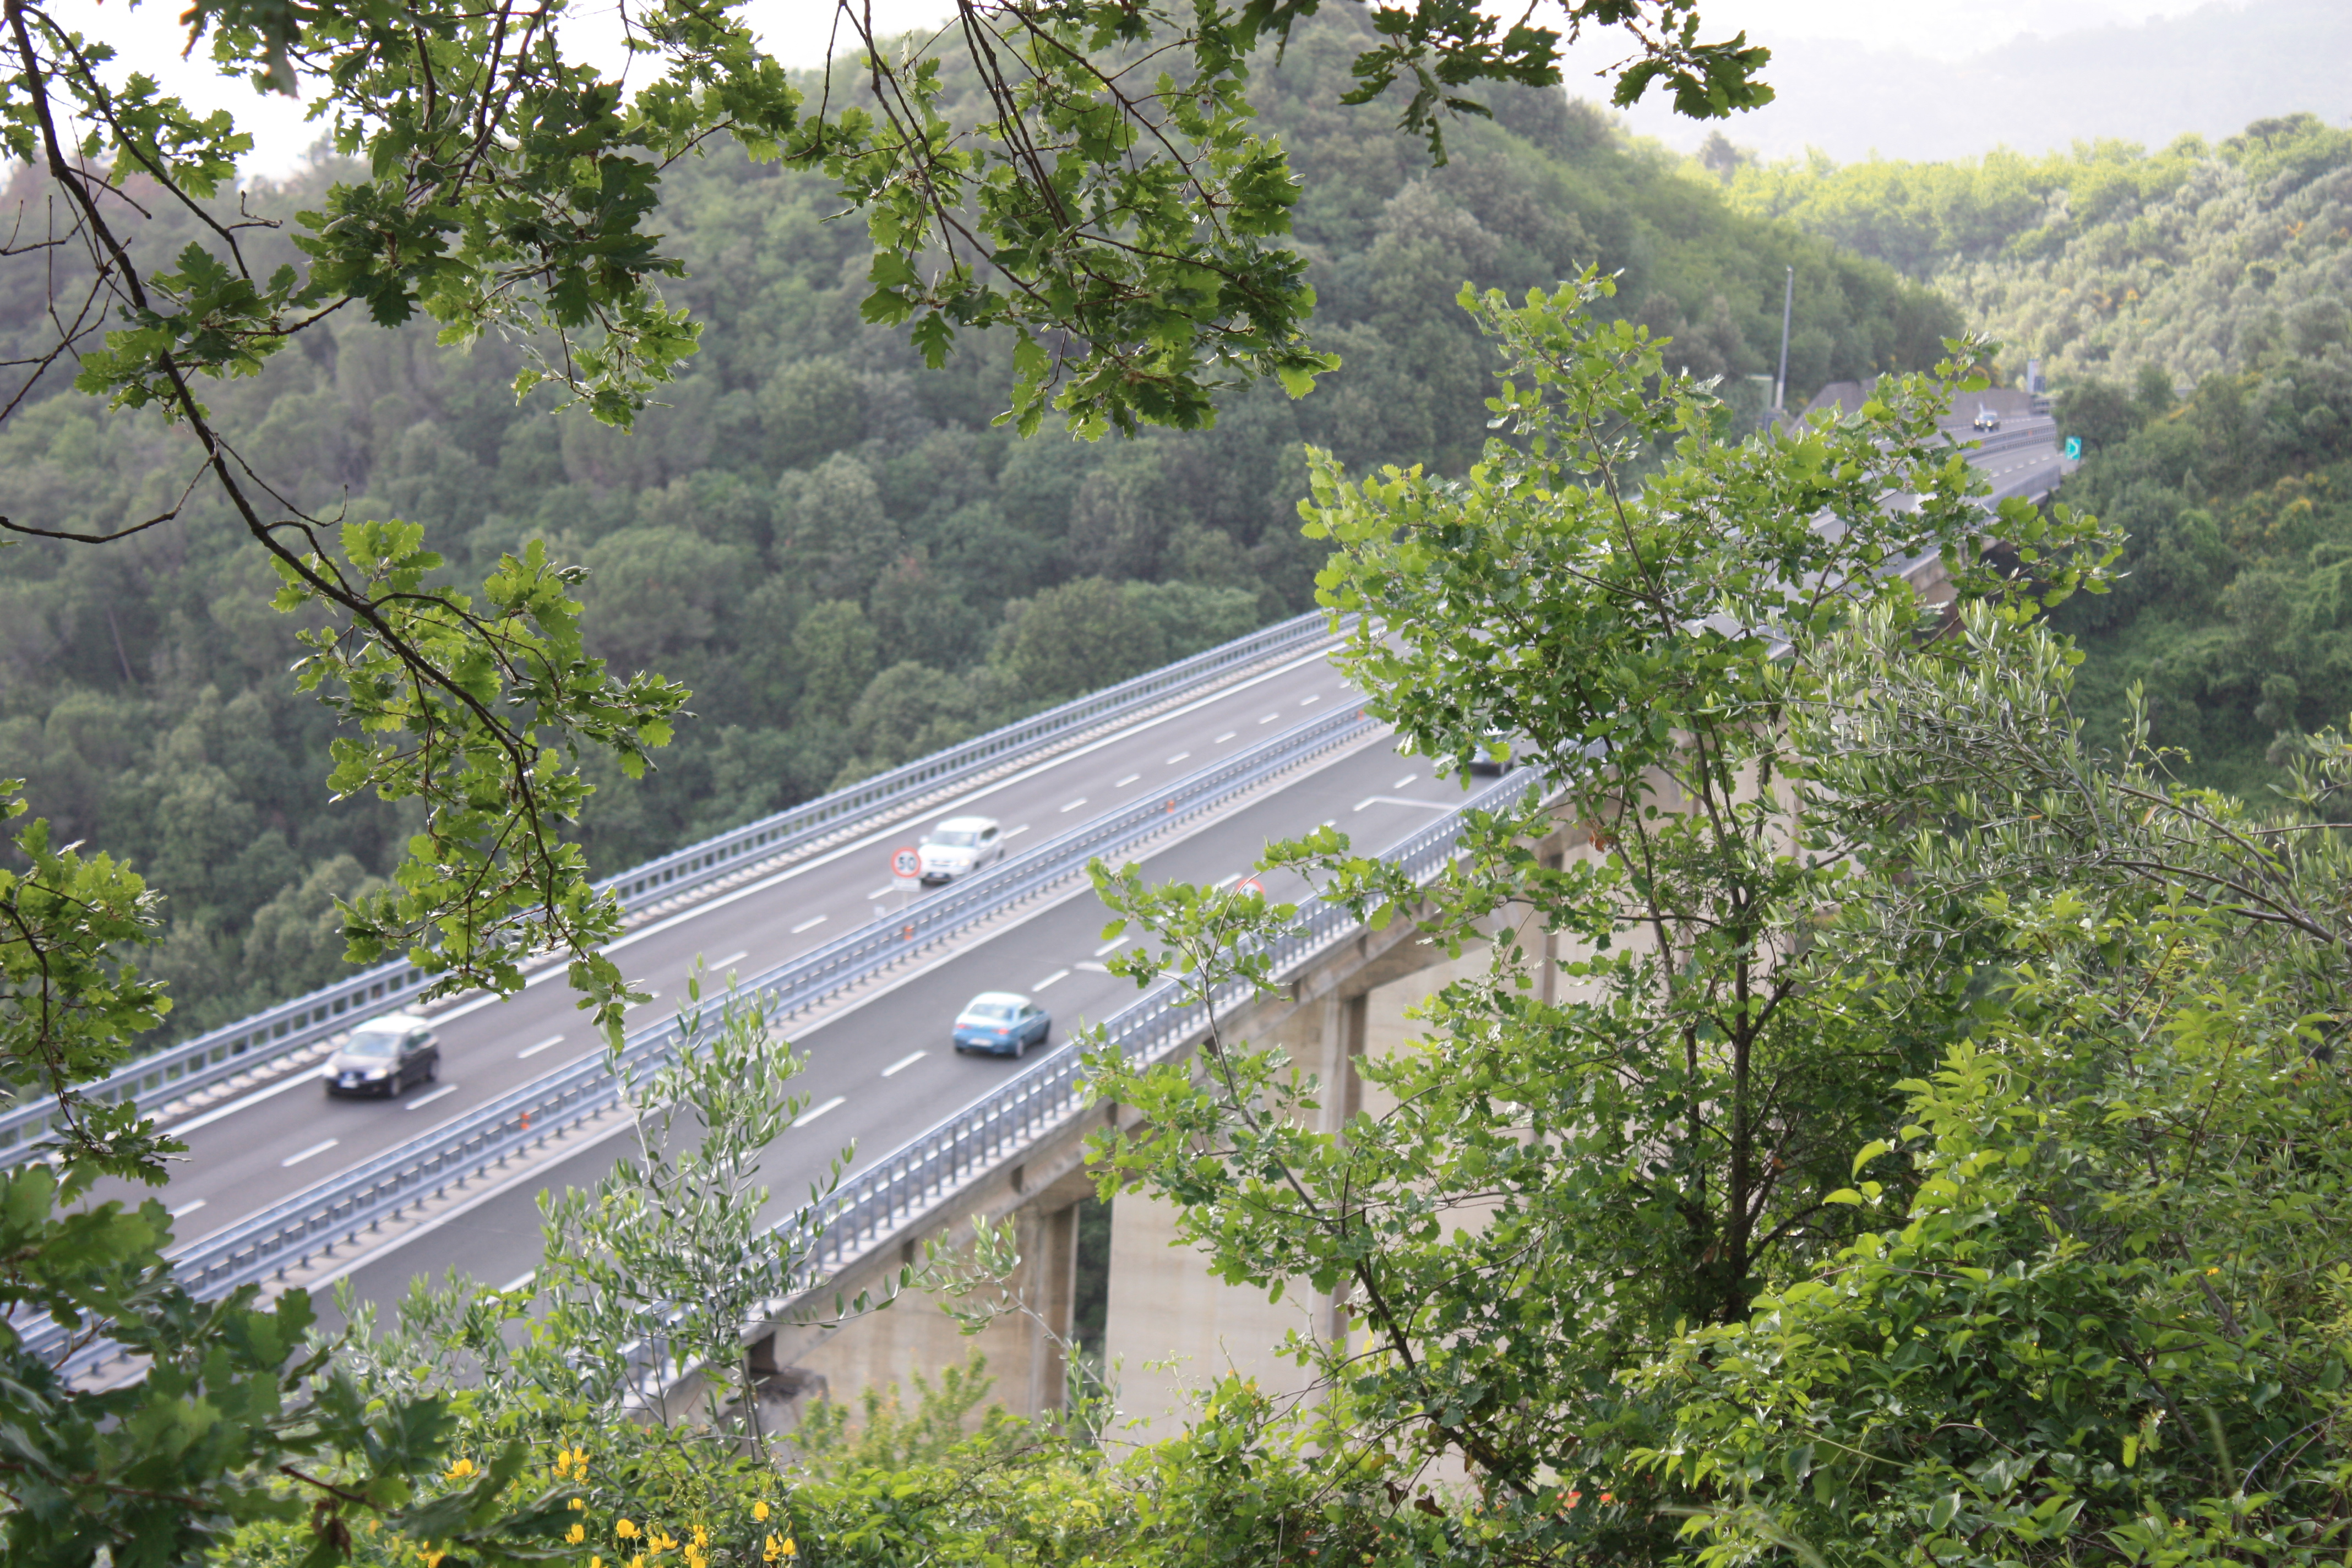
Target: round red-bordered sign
[
  {"x": 1249, "y": 885},
  {"x": 906, "y": 863}
]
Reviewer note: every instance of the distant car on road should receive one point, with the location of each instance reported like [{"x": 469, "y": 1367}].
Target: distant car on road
[
  {"x": 1001, "y": 1024},
  {"x": 385, "y": 1056},
  {"x": 1494, "y": 758},
  {"x": 1987, "y": 419},
  {"x": 959, "y": 845}
]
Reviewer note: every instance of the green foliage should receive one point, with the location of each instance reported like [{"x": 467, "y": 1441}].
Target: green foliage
[
  {"x": 147, "y": 704},
  {"x": 69, "y": 1001},
  {"x": 226, "y": 1412},
  {"x": 2229, "y": 613},
  {"x": 2108, "y": 258},
  {"x": 1550, "y": 1187},
  {"x": 2110, "y": 1309}
]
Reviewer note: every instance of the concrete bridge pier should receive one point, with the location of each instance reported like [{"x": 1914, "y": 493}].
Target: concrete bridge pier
[{"x": 1171, "y": 1329}]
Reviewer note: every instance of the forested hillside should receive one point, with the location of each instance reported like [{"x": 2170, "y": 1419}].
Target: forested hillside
[
  {"x": 2197, "y": 260},
  {"x": 2191, "y": 308},
  {"x": 829, "y": 543}
]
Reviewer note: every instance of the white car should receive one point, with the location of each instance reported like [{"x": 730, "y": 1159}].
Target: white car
[{"x": 959, "y": 845}]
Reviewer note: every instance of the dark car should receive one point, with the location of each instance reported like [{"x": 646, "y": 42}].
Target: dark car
[
  {"x": 385, "y": 1056},
  {"x": 1987, "y": 419},
  {"x": 1001, "y": 1024},
  {"x": 1494, "y": 756}
]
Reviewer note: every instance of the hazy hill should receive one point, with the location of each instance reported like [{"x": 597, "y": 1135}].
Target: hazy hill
[
  {"x": 2193, "y": 310},
  {"x": 2194, "y": 259},
  {"x": 2206, "y": 73}
]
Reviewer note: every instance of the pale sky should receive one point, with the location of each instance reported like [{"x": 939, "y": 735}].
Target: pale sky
[{"x": 797, "y": 31}]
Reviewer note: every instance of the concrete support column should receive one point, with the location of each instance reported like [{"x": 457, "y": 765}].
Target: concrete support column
[{"x": 1050, "y": 1257}]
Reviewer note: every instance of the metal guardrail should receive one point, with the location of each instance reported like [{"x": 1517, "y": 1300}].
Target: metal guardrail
[
  {"x": 306, "y": 1023},
  {"x": 363, "y": 1195},
  {"x": 929, "y": 1170}
]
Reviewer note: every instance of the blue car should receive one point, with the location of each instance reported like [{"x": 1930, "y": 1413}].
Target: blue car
[{"x": 1001, "y": 1023}]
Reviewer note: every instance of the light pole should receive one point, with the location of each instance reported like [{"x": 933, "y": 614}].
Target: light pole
[{"x": 1788, "y": 306}]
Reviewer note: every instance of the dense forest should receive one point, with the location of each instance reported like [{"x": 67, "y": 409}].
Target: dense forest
[
  {"x": 2191, "y": 310},
  {"x": 2199, "y": 258},
  {"x": 831, "y": 545}
]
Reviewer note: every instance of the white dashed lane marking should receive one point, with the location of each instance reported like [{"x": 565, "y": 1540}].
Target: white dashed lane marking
[
  {"x": 809, "y": 925},
  {"x": 1178, "y": 758},
  {"x": 1050, "y": 979},
  {"x": 421, "y": 1100},
  {"x": 313, "y": 1149},
  {"x": 909, "y": 1059},
  {"x": 530, "y": 1051},
  {"x": 814, "y": 1111}
]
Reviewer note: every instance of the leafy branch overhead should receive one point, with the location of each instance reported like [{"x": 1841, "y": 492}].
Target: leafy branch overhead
[{"x": 1081, "y": 175}]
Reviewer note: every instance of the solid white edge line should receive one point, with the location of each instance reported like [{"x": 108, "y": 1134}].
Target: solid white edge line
[
  {"x": 814, "y": 1111},
  {"x": 909, "y": 1059}
]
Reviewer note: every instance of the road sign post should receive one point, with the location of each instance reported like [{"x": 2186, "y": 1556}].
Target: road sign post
[{"x": 907, "y": 867}]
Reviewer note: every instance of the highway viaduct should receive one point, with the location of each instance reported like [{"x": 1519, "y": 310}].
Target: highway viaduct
[{"x": 879, "y": 1068}]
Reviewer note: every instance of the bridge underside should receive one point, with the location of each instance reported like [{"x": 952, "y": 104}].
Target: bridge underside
[{"x": 1168, "y": 1327}]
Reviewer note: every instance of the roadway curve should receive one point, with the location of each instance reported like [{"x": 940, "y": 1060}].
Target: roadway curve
[
  {"x": 265, "y": 1146},
  {"x": 863, "y": 1072}
]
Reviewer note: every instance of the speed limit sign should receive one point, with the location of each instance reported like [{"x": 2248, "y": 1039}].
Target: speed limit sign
[
  {"x": 906, "y": 863},
  {"x": 1249, "y": 887}
]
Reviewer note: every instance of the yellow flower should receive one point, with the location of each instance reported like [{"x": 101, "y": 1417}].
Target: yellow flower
[
  {"x": 638, "y": 1561},
  {"x": 595, "y": 1562},
  {"x": 775, "y": 1550},
  {"x": 579, "y": 1505},
  {"x": 760, "y": 1511},
  {"x": 625, "y": 1530},
  {"x": 433, "y": 1559},
  {"x": 701, "y": 1536},
  {"x": 695, "y": 1559},
  {"x": 791, "y": 1549},
  {"x": 461, "y": 1469},
  {"x": 579, "y": 1533}
]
